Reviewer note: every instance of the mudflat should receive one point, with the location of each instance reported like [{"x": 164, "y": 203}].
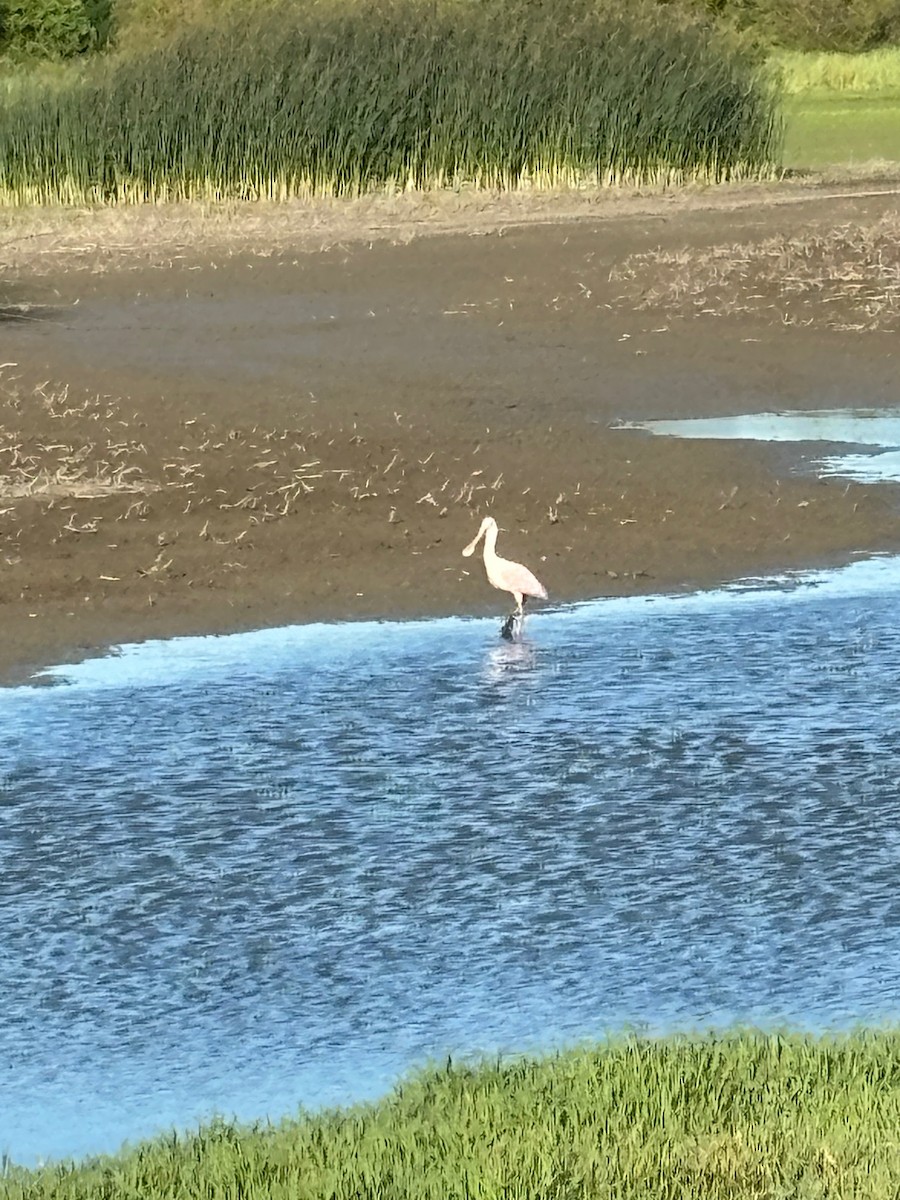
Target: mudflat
[{"x": 248, "y": 419}]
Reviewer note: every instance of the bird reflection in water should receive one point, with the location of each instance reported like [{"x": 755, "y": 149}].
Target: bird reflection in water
[{"x": 512, "y": 658}]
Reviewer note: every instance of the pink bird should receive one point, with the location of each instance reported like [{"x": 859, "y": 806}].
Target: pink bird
[{"x": 503, "y": 574}]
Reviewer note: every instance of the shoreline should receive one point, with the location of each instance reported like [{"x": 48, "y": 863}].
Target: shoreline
[
  {"x": 100, "y": 238},
  {"x": 237, "y": 437},
  {"x": 581, "y": 1080},
  {"x": 36, "y": 675},
  {"x": 93, "y": 638}
]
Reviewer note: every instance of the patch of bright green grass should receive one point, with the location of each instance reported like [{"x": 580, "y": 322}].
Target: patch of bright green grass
[
  {"x": 876, "y": 72},
  {"x": 841, "y": 109},
  {"x": 742, "y": 1115},
  {"x": 17, "y": 78},
  {"x": 825, "y": 131}
]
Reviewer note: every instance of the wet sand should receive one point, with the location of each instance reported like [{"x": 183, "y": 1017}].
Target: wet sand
[{"x": 208, "y": 433}]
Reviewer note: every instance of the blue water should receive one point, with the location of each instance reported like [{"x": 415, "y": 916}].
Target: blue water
[
  {"x": 876, "y": 428},
  {"x": 243, "y": 874}
]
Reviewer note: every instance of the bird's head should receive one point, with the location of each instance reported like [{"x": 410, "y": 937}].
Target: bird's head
[{"x": 486, "y": 524}]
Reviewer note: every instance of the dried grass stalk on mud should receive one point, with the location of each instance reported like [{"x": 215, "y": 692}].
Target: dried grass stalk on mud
[
  {"x": 191, "y": 505},
  {"x": 845, "y": 278}
]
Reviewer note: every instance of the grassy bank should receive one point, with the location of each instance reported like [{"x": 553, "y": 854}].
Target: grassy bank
[
  {"x": 876, "y": 73},
  {"x": 335, "y": 99},
  {"x": 742, "y": 1115},
  {"x": 826, "y": 131},
  {"x": 841, "y": 109}
]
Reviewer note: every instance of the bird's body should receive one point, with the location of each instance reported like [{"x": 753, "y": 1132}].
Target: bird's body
[{"x": 501, "y": 572}]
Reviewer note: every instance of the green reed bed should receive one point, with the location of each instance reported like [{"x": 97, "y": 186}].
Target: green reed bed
[
  {"x": 320, "y": 99},
  {"x": 738, "y": 1115}
]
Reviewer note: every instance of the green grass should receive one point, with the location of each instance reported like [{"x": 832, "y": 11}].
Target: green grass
[
  {"x": 732, "y": 1116},
  {"x": 875, "y": 73},
  {"x": 332, "y": 98},
  {"x": 829, "y": 131},
  {"x": 841, "y": 109},
  {"x": 18, "y": 80}
]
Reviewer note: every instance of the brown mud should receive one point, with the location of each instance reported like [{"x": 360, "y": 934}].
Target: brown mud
[{"x": 207, "y": 430}]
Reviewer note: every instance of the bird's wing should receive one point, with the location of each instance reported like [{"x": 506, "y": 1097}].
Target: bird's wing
[{"x": 514, "y": 577}]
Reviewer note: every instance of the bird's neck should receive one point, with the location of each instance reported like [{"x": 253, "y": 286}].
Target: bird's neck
[{"x": 490, "y": 543}]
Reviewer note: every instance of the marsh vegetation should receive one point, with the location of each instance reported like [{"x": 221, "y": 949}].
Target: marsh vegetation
[
  {"x": 335, "y": 100},
  {"x": 226, "y": 100},
  {"x": 876, "y": 73}
]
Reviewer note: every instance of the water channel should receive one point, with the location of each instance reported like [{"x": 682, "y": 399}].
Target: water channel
[
  {"x": 247, "y": 873},
  {"x": 243, "y": 874}
]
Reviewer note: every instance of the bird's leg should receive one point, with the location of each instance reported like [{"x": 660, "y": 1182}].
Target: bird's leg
[
  {"x": 520, "y": 612},
  {"x": 512, "y": 626}
]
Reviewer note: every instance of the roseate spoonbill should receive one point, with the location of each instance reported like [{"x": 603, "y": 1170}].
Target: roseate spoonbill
[{"x": 505, "y": 575}]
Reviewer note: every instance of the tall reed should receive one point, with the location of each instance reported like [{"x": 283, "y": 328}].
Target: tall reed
[
  {"x": 320, "y": 98},
  {"x": 742, "y": 1115}
]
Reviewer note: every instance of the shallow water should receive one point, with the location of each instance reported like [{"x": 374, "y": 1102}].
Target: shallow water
[
  {"x": 240, "y": 874},
  {"x": 875, "y": 427}
]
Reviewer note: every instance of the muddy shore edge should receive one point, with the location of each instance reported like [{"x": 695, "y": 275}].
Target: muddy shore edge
[{"x": 280, "y": 421}]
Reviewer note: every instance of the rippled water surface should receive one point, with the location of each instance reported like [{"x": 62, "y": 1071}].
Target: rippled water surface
[{"x": 241, "y": 874}]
